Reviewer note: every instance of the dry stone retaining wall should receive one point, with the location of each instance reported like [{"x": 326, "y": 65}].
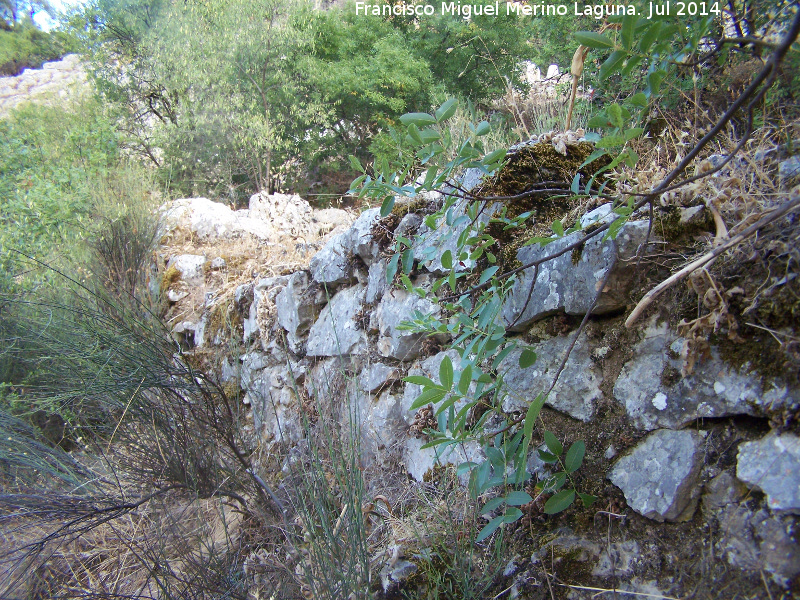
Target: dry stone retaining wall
[
  {"x": 334, "y": 339},
  {"x": 54, "y": 82}
]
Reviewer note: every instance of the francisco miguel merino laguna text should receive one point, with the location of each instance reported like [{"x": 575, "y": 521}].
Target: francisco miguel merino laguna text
[{"x": 467, "y": 11}]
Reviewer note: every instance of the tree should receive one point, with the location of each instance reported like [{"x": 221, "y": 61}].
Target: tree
[{"x": 365, "y": 70}]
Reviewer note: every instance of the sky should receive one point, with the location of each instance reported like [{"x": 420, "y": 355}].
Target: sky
[{"x": 45, "y": 21}]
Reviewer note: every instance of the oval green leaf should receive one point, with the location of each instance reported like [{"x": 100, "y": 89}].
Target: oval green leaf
[
  {"x": 552, "y": 443},
  {"x": 447, "y": 259},
  {"x": 612, "y": 63},
  {"x": 575, "y": 456},
  {"x": 356, "y": 164},
  {"x": 590, "y": 39},
  {"x": 413, "y": 131},
  {"x": 418, "y": 119},
  {"x": 465, "y": 380},
  {"x": 527, "y": 358},
  {"x": 512, "y": 514},
  {"x": 534, "y": 409},
  {"x": 429, "y": 396},
  {"x": 387, "y": 206},
  {"x": 446, "y": 373},
  {"x": 518, "y": 498},
  {"x": 446, "y": 110},
  {"x": 490, "y": 528},
  {"x": 408, "y": 260},
  {"x": 492, "y": 504},
  {"x": 420, "y": 380},
  {"x": 559, "y": 502}
]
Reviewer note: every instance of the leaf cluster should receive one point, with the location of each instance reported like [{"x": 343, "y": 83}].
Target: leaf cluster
[{"x": 468, "y": 394}]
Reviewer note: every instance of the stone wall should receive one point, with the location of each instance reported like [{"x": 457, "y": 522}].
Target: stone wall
[
  {"x": 655, "y": 427},
  {"x": 54, "y": 82}
]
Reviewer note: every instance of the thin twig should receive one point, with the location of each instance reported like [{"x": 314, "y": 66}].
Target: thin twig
[
  {"x": 608, "y": 591},
  {"x": 600, "y": 290}
]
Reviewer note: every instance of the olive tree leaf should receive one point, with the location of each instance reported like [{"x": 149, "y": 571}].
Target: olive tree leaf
[
  {"x": 575, "y": 456},
  {"x": 552, "y": 443},
  {"x": 518, "y": 498},
  {"x": 446, "y": 373},
  {"x": 560, "y": 501},
  {"x": 446, "y": 110},
  {"x": 417, "y": 119},
  {"x": 592, "y": 39},
  {"x": 490, "y": 528}
]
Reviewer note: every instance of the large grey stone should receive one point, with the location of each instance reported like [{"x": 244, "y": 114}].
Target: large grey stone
[
  {"x": 376, "y": 281},
  {"x": 333, "y": 265},
  {"x": 265, "y": 289},
  {"x": 288, "y": 214},
  {"x": 375, "y": 376},
  {"x": 383, "y": 429},
  {"x": 569, "y": 283},
  {"x": 660, "y": 477},
  {"x": 328, "y": 219},
  {"x": 360, "y": 240},
  {"x": 655, "y": 393},
  {"x": 298, "y": 305},
  {"x": 273, "y": 396},
  {"x": 395, "y": 307},
  {"x": 408, "y": 225},
  {"x": 327, "y": 379},
  {"x": 578, "y": 387},
  {"x": 190, "y": 266},
  {"x": 772, "y": 464},
  {"x": 208, "y": 220},
  {"x": 336, "y": 331},
  {"x": 252, "y": 364}
]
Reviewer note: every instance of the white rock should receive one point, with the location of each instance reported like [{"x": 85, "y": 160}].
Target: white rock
[
  {"x": 190, "y": 267},
  {"x": 208, "y": 220}
]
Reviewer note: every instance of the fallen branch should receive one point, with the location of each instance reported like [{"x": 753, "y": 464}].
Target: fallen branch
[{"x": 648, "y": 298}]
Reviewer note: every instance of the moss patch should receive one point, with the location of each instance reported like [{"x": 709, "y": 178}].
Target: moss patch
[
  {"x": 418, "y": 204},
  {"x": 531, "y": 167},
  {"x": 169, "y": 277}
]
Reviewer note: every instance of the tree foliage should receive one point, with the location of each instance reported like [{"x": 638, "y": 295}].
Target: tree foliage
[{"x": 265, "y": 94}]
